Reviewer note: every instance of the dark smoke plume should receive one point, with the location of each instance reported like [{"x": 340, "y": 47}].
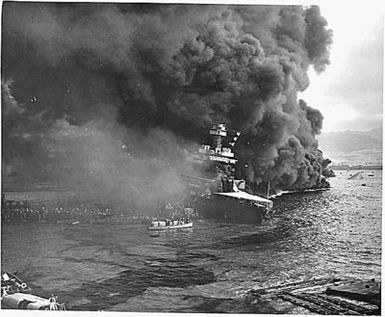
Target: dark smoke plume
[{"x": 108, "y": 96}]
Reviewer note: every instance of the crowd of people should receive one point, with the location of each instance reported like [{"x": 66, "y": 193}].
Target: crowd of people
[
  {"x": 22, "y": 212},
  {"x": 161, "y": 222}
]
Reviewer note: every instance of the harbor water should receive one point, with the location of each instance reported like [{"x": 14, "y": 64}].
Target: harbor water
[{"x": 119, "y": 266}]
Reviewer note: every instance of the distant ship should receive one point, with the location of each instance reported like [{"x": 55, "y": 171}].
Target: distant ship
[
  {"x": 214, "y": 191},
  {"x": 357, "y": 175}
]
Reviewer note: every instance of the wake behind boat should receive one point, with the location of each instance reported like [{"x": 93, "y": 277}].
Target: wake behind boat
[{"x": 170, "y": 224}]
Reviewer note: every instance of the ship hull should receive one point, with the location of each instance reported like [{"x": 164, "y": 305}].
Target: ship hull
[{"x": 227, "y": 209}]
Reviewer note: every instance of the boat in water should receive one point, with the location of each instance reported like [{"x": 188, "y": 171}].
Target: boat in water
[
  {"x": 15, "y": 294},
  {"x": 157, "y": 225},
  {"x": 215, "y": 193},
  {"x": 357, "y": 175}
]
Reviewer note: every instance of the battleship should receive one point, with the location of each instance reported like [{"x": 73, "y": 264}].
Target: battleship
[{"x": 214, "y": 191}]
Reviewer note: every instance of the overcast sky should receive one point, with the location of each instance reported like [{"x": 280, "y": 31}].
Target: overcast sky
[{"x": 349, "y": 92}]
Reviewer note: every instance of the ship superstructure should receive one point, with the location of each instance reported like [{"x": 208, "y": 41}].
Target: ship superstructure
[
  {"x": 215, "y": 193},
  {"x": 217, "y": 151}
]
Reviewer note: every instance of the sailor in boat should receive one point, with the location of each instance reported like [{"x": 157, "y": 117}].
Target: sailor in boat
[
  {"x": 169, "y": 223},
  {"x": 53, "y": 305}
]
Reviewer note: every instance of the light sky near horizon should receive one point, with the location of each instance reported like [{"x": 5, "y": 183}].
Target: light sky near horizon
[{"x": 349, "y": 93}]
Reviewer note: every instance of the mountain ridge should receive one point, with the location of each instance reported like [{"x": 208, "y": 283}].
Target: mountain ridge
[{"x": 354, "y": 147}]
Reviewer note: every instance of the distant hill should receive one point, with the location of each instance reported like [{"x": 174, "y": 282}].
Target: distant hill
[
  {"x": 352, "y": 147},
  {"x": 376, "y": 133}
]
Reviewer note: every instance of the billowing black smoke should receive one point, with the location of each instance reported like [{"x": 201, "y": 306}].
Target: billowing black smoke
[{"x": 107, "y": 96}]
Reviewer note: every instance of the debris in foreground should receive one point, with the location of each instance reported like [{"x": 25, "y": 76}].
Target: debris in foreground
[
  {"x": 15, "y": 294},
  {"x": 325, "y": 296}
]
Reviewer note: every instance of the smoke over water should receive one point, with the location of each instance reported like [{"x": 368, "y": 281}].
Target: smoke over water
[{"x": 106, "y": 97}]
